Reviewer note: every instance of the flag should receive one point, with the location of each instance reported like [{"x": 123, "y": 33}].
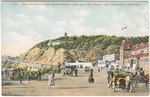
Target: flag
[{"x": 123, "y": 28}]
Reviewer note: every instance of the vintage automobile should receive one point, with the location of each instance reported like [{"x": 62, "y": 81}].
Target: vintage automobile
[
  {"x": 68, "y": 70},
  {"x": 87, "y": 69},
  {"x": 120, "y": 80},
  {"x": 33, "y": 74}
]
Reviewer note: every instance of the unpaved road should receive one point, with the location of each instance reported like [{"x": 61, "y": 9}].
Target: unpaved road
[{"x": 69, "y": 86}]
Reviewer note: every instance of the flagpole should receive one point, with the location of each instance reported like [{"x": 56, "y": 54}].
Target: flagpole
[{"x": 126, "y": 33}]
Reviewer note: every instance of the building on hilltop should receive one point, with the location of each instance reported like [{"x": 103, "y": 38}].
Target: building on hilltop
[
  {"x": 57, "y": 42},
  {"x": 134, "y": 57}
]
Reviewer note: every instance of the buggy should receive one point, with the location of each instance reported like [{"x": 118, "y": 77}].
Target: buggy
[
  {"x": 68, "y": 70},
  {"x": 33, "y": 74}
]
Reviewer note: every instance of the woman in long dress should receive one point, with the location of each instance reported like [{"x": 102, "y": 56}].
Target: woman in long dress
[
  {"x": 50, "y": 81},
  {"x": 91, "y": 79}
]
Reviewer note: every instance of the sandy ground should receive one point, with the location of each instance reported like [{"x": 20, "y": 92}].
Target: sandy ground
[{"x": 69, "y": 86}]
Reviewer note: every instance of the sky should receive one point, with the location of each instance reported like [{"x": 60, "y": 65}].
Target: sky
[{"x": 25, "y": 26}]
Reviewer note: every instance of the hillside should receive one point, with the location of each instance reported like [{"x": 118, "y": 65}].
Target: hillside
[{"x": 83, "y": 48}]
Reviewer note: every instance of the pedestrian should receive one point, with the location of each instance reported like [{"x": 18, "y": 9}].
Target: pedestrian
[
  {"x": 53, "y": 80},
  {"x": 18, "y": 69},
  {"x": 2, "y": 73},
  {"x": 39, "y": 75},
  {"x": 98, "y": 69},
  {"x": 6, "y": 72},
  {"x": 91, "y": 79},
  {"x": 141, "y": 72},
  {"x": 21, "y": 75},
  {"x": 76, "y": 72},
  {"x": 50, "y": 81}
]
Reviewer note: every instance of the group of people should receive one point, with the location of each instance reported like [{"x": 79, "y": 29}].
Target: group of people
[
  {"x": 51, "y": 80},
  {"x": 139, "y": 72},
  {"x": 100, "y": 69}
]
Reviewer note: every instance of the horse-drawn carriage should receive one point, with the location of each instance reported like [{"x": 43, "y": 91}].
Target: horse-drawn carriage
[
  {"x": 119, "y": 80},
  {"x": 33, "y": 74},
  {"x": 141, "y": 79},
  {"x": 57, "y": 68},
  {"x": 68, "y": 70}
]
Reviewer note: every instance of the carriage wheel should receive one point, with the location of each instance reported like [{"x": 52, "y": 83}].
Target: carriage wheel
[
  {"x": 113, "y": 87},
  {"x": 130, "y": 87}
]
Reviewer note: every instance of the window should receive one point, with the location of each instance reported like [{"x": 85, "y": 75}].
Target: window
[
  {"x": 144, "y": 62},
  {"x": 121, "y": 55}
]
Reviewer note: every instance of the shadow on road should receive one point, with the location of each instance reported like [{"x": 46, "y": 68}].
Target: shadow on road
[
  {"x": 46, "y": 79},
  {"x": 72, "y": 87}
]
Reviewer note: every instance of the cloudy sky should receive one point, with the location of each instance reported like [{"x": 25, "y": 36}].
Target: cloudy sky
[{"x": 25, "y": 26}]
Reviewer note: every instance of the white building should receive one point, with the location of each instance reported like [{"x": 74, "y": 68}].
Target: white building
[
  {"x": 101, "y": 63},
  {"x": 109, "y": 60},
  {"x": 80, "y": 64}
]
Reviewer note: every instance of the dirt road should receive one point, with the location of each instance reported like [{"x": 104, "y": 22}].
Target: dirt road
[{"x": 69, "y": 86}]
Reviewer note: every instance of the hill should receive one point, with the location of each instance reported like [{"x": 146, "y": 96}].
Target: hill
[{"x": 83, "y": 48}]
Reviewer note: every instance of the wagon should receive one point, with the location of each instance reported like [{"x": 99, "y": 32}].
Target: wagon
[{"x": 141, "y": 79}]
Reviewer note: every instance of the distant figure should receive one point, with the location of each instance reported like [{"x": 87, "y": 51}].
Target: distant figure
[
  {"x": 91, "y": 79},
  {"x": 6, "y": 72},
  {"x": 50, "y": 81},
  {"x": 53, "y": 75},
  {"x": 39, "y": 75},
  {"x": 2, "y": 73},
  {"x": 98, "y": 69},
  {"x": 21, "y": 75},
  {"x": 18, "y": 70},
  {"x": 76, "y": 72},
  {"x": 141, "y": 72},
  {"x": 137, "y": 73}
]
